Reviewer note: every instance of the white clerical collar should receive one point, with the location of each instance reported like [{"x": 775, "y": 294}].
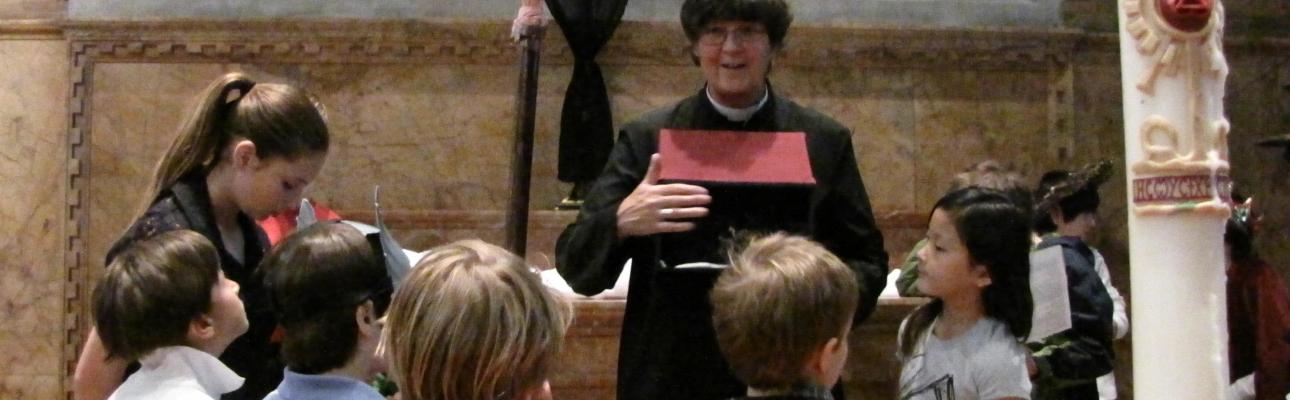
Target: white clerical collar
[{"x": 737, "y": 114}]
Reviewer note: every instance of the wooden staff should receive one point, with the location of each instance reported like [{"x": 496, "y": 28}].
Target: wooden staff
[{"x": 517, "y": 221}]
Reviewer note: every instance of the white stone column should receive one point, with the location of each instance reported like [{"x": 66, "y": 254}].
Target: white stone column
[{"x": 1175, "y": 138}]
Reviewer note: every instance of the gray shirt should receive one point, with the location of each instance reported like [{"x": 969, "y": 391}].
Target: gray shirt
[{"x": 986, "y": 362}]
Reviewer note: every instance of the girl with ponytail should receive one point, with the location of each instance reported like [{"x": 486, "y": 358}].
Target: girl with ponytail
[{"x": 248, "y": 150}]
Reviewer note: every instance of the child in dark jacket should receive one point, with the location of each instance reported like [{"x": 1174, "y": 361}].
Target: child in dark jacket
[{"x": 1068, "y": 363}]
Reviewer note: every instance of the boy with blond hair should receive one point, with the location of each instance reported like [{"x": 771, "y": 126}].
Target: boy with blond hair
[
  {"x": 782, "y": 312},
  {"x": 165, "y": 302},
  {"x": 471, "y": 321}
]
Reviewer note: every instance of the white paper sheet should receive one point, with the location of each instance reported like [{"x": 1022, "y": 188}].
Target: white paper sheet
[{"x": 1049, "y": 290}]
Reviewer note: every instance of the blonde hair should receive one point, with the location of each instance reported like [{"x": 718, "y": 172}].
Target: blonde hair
[
  {"x": 281, "y": 120},
  {"x": 471, "y": 322},
  {"x": 781, "y": 300}
]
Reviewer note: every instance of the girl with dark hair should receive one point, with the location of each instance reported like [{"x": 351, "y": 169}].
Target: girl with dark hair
[
  {"x": 248, "y": 150},
  {"x": 966, "y": 343}
]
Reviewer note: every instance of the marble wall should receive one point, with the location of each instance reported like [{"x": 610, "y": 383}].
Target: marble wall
[
  {"x": 425, "y": 110},
  {"x": 956, "y": 13},
  {"x": 33, "y": 103}
]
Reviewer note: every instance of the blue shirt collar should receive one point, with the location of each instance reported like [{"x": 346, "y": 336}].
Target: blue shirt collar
[{"x": 300, "y": 387}]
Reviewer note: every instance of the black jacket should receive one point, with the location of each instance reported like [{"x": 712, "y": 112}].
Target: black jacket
[
  {"x": 668, "y": 348},
  {"x": 187, "y": 205},
  {"x": 1070, "y": 361}
]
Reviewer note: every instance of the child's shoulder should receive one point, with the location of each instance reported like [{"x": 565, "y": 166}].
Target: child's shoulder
[{"x": 992, "y": 343}]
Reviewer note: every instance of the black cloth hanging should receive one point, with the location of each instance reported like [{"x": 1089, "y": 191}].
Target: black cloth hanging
[{"x": 586, "y": 124}]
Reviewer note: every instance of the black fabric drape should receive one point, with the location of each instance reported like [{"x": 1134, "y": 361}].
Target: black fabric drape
[{"x": 586, "y": 124}]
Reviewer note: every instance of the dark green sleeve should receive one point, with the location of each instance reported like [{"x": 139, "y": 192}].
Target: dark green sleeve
[{"x": 905, "y": 284}]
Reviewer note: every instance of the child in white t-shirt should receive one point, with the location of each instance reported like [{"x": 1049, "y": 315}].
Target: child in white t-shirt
[{"x": 966, "y": 343}]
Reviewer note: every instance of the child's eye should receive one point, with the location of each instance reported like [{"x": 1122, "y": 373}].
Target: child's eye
[{"x": 287, "y": 186}]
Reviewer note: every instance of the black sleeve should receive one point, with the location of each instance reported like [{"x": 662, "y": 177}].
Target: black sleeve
[
  {"x": 162, "y": 216},
  {"x": 588, "y": 254},
  {"x": 847, "y": 228},
  {"x": 1083, "y": 352}
]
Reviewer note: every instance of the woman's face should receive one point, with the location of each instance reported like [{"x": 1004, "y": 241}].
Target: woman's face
[
  {"x": 946, "y": 269},
  {"x": 270, "y": 185},
  {"x": 735, "y": 58}
]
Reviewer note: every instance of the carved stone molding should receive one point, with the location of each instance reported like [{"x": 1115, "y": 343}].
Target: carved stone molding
[
  {"x": 30, "y": 29},
  {"x": 358, "y": 41}
]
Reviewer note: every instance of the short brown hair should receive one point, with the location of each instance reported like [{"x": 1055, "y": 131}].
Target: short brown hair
[
  {"x": 316, "y": 279},
  {"x": 470, "y": 321},
  {"x": 782, "y": 298},
  {"x": 152, "y": 291}
]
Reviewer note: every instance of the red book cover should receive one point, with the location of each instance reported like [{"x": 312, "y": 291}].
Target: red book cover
[{"x": 734, "y": 157}]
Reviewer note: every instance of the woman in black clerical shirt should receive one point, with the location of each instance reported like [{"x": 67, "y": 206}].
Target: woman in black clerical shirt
[{"x": 668, "y": 349}]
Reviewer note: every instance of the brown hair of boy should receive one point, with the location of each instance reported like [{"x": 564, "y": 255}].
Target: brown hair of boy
[
  {"x": 471, "y": 321},
  {"x": 152, "y": 291},
  {"x": 781, "y": 300},
  {"x": 316, "y": 279},
  {"x": 281, "y": 120}
]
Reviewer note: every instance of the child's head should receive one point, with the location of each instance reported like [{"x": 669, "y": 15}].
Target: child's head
[
  {"x": 782, "y": 312},
  {"x": 1238, "y": 239},
  {"x": 990, "y": 174},
  {"x": 471, "y": 321},
  {"x": 272, "y": 135},
  {"x": 978, "y": 246},
  {"x": 328, "y": 288},
  {"x": 167, "y": 290},
  {"x": 1068, "y": 201}
]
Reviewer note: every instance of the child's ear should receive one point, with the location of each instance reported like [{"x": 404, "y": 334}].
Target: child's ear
[
  {"x": 819, "y": 364},
  {"x": 201, "y": 329},
  {"x": 366, "y": 318},
  {"x": 981, "y": 275},
  {"x": 244, "y": 154},
  {"x": 1055, "y": 214}
]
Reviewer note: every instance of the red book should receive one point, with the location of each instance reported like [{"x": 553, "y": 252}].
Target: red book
[{"x": 734, "y": 157}]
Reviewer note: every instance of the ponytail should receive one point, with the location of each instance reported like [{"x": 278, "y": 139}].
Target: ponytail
[
  {"x": 201, "y": 137},
  {"x": 281, "y": 120}
]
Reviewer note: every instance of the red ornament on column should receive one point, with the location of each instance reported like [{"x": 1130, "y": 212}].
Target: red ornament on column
[{"x": 1186, "y": 15}]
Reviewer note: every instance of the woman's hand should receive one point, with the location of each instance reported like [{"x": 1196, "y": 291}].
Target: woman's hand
[{"x": 654, "y": 208}]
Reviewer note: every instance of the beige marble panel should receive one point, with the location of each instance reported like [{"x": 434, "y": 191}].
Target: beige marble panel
[
  {"x": 876, "y": 104},
  {"x": 34, "y": 387},
  {"x": 136, "y": 109},
  {"x": 32, "y": 9},
  {"x": 30, "y": 355},
  {"x": 963, "y": 117},
  {"x": 32, "y": 167}
]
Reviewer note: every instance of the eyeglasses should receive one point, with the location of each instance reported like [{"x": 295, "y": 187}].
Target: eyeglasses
[{"x": 715, "y": 36}]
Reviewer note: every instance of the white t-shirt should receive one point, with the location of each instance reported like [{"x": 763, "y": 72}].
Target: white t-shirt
[
  {"x": 986, "y": 362},
  {"x": 178, "y": 373}
]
